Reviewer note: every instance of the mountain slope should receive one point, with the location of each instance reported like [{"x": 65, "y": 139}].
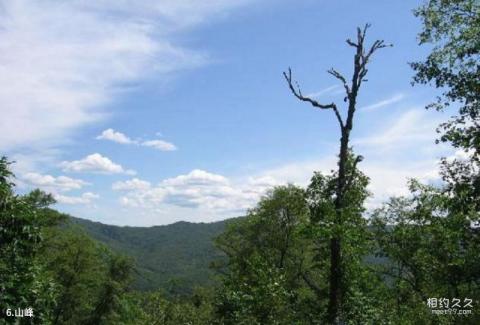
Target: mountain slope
[{"x": 173, "y": 257}]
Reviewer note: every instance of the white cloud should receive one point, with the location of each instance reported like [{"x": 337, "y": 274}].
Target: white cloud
[
  {"x": 52, "y": 183},
  {"x": 198, "y": 190},
  {"x": 196, "y": 177},
  {"x": 95, "y": 163},
  {"x": 85, "y": 198},
  {"x": 115, "y": 136},
  {"x": 62, "y": 61},
  {"x": 388, "y": 177},
  {"x": 209, "y": 196},
  {"x": 160, "y": 145},
  {"x": 201, "y": 196},
  {"x": 132, "y": 184},
  {"x": 395, "y": 98}
]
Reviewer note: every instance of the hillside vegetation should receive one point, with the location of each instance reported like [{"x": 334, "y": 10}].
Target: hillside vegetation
[{"x": 175, "y": 257}]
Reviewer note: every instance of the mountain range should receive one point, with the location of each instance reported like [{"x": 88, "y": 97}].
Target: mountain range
[{"x": 173, "y": 257}]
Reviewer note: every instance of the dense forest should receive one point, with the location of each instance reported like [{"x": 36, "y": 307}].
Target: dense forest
[
  {"x": 174, "y": 257},
  {"x": 311, "y": 255}
]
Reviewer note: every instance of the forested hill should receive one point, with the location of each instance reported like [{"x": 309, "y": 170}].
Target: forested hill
[{"x": 174, "y": 257}]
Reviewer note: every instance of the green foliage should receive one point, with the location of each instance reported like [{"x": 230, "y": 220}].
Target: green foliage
[
  {"x": 431, "y": 238},
  {"x": 90, "y": 279},
  {"x": 173, "y": 257},
  {"x": 439, "y": 226},
  {"x": 62, "y": 274},
  {"x": 196, "y": 309},
  {"x": 109, "y": 301},
  {"x": 269, "y": 229},
  {"x": 432, "y": 250},
  {"x": 321, "y": 197},
  {"x": 360, "y": 286},
  {"x": 267, "y": 259},
  {"x": 453, "y": 26},
  {"x": 75, "y": 264},
  {"x": 22, "y": 282},
  {"x": 258, "y": 294},
  {"x": 278, "y": 256}
]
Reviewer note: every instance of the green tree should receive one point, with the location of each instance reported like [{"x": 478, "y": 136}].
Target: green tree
[
  {"x": 196, "y": 309},
  {"x": 91, "y": 280},
  {"x": 267, "y": 256},
  {"x": 41, "y": 202},
  {"x": 432, "y": 251},
  {"x": 431, "y": 238},
  {"x": 75, "y": 263},
  {"x": 23, "y": 283},
  {"x": 113, "y": 288},
  {"x": 452, "y": 27},
  {"x": 259, "y": 294}
]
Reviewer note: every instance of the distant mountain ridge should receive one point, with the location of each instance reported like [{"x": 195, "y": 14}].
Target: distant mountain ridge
[{"x": 173, "y": 257}]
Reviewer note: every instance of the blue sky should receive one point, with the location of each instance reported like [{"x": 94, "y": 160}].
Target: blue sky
[{"x": 151, "y": 112}]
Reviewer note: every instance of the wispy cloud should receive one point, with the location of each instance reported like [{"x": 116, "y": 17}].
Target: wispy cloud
[
  {"x": 332, "y": 90},
  {"x": 385, "y": 102},
  {"x": 60, "y": 62},
  {"x": 411, "y": 128},
  {"x": 403, "y": 149}
]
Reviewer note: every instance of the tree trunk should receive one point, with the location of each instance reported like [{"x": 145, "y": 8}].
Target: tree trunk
[
  {"x": 361, "y": 59},
  {"x": 336, "y": 270}
]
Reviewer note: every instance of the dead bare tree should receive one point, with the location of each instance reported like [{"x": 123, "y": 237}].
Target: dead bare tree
[{"x": 361, "y": 59}]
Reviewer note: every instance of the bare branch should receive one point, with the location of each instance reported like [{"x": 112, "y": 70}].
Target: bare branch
[
  {"x": 340, "y": 77},
  {"x": 378, "y": 44},
  {"x": 367, "y": 26},
  {"x": 362, "y": 56},
  {"x": 349, "y": 42},
  {"x": 298, "y": 93},
  {"x": 361, "y": 34}
]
